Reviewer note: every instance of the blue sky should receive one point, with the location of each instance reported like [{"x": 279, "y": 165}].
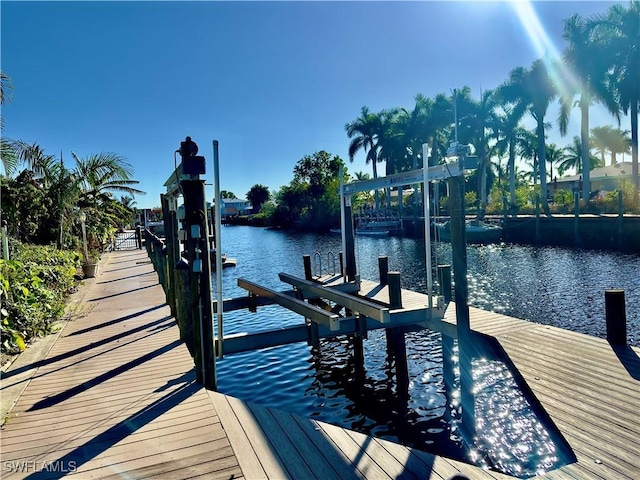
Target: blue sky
[{"x": 272, "y": 81}]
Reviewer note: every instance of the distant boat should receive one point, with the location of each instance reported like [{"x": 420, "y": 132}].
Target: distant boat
[
  {"x": 226, "y": 262},
  {"x": 476, "y": 231},
  {"x": 372, "y": 229}
]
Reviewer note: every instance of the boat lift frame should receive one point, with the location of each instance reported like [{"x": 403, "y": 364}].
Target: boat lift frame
[{"x": 461, "y": 164}]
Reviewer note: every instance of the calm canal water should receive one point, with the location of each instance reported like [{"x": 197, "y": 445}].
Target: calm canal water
[{"x": 554, "y": 286}]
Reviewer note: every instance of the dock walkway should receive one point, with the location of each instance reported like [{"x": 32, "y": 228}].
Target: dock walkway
[
  {"x": 114, "y": 396},
  {"x": 589, "y": 388}
]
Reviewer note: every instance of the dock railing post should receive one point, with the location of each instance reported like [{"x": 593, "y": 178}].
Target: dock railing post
[{"x": 616, "y": 317}]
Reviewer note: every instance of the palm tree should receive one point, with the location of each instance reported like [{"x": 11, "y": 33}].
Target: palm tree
[
  {"x": 555, "y": 155},
  {"x": 474, "y": 117},
  {"x": 572, "y": 158},
  {"x": 39, "y": 162},
  {"x": 534, "y": 88},
  {"x": 9, "y": 160},
  {"x": 98, "y": 177},
  {"x": 365, "y": 132},
  {"x": 508, "y": 134},
  {"x": 609, "y": 139},
  {"x": 586, "y": 61},
  {"x": 101, "y": 174},
  {"x": 598, "y": 141},
  {"x": 620, "y": 28},
  {"x": 527, "y": 147}
]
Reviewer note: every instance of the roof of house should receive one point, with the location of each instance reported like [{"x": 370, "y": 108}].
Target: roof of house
[
  {"x": 233, "y": 201},
  {"x": 621, "y": 169}
]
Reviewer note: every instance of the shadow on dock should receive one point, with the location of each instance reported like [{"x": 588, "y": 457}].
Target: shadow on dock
[{"x": 628, "y": 358}]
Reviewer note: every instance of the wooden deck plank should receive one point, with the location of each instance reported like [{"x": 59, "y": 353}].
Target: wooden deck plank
[
  {"x": 149, "y": 421},
  {"x": 355, "y": 451},
  {"x": 281, "y": 443},
  {"x": 271, "y": 463},
  {"x": 247, "y": 458},
  {"x": 308, "y": 450},
  {"x": 328, "y": 449}
]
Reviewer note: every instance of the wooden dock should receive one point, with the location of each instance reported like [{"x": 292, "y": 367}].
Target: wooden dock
[
  {"x": 115, "y": 397},
  {"x": 589, "y": 388}
]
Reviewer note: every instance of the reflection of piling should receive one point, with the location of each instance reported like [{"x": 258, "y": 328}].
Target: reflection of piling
[
  {"x": 396, "y": 343},
  {"x": 459, "y": 254}
]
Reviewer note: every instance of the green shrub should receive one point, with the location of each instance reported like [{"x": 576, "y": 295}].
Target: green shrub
[{"x": 34, "y": 285}]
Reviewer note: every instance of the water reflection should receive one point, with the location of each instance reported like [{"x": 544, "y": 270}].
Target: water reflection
[{"x": 547, "y": 285}]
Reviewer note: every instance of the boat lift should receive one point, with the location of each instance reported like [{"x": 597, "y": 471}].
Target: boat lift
[{"x": 455, "y": 168}]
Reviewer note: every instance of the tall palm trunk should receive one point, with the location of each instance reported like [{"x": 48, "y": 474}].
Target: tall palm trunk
[
  {"x": 375, "y": 175},
  {"x": 634, "y": 151},
  {"x": 542, "y": 164},
  {"x": 585, "y": 153},
  {"x": 483, "y": 165},
  {"x": 512, "y": 174}
]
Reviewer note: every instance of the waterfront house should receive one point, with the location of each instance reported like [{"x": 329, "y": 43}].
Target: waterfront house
[
  {"x": 607, "y": 179},
  {"x": 232, "y": 207}
]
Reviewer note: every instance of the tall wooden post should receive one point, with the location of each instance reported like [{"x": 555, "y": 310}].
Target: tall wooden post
[
  {"x": 306, "y": 261},
  {"x": 197, "y": 249},
  {"x": 170, "y": 240},
  {"x": 383, "y": 269},
  {"x": 616, "y": 317},
  {"x": 444, "y": 279},
  {"x": 459, "y": 250},
  {"x": 349, "y": 240}
]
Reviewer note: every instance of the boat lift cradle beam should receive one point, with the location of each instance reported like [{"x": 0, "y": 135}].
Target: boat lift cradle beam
[
  {"x": 313, "y": 313},
  {"x": 351, "y": 302}
]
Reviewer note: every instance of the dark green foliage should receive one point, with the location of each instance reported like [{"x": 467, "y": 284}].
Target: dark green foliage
[
  {"x": 33, "y": 289},
  {"x": 258, "y": 196},
  {"x": 311, "y": 200},
  {"x": 26, "y": 208}
]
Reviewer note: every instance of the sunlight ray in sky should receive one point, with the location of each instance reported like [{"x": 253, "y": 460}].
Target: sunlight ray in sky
[{"x": 544, "y": 46}]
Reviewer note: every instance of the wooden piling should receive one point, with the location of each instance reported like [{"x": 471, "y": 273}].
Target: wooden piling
[
  {"x": 396, "y": 342},
  {"x": 395, "y": 290},
  {"x": 444, "y": 279},
  {"x": 616, "y": 317},
  {"x": 306, "y": 260},
  {"x": 459, "y": 255},
  {"x": 200, "y": 262},
  {"x": 350, "y": 245},
  {"x": 383, "y": 269}
]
